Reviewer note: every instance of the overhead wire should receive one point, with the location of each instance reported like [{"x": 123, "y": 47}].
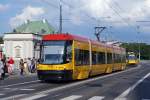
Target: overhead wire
[
  {"x": 115, "y": 11},
  {"x": 117, "y": 7},
  {"x": 72, "y": 7},
  {"x": 92, "y": 18},
  {"x": 52, "y": 5}
]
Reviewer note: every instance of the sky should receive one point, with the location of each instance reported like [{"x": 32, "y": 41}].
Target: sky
[{"x": 125, "y": 20}]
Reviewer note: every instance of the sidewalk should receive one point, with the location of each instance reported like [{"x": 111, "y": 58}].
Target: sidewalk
[{"x": 16, "y": 74}]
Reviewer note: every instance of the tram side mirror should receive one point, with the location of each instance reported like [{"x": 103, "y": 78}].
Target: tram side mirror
[{"x": 68, "y": 58}]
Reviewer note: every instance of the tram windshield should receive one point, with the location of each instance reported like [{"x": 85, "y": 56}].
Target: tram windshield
[
  {"x": 56, "y": 52},
  {"x": 131, "y": 57}
]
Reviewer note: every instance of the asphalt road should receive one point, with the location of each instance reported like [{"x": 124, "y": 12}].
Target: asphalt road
[{"x": 131, "y": 84}]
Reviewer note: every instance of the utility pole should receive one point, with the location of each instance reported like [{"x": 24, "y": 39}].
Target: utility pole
[
  {"x": 98, "y": 30},
  {"x": 60, "y": 17},
  {"x": 139, "y": 47},
  {"x": 138, "y": 29}
]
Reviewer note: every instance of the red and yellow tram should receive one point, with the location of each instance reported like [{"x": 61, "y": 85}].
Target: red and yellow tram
[{"x": 71, "y": 57}]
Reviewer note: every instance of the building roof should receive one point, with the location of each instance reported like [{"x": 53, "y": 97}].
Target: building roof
[{"x": 40, "y": 27}]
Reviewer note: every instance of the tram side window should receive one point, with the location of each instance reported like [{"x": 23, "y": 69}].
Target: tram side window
[
  {"x": 101, "y": 58},
  {"x": 68, "y": 51},
  {"x": 123, "y": 58},
  {"x": 78, "y": 57},
  {"x": 81, "y": 57},
  {"x": 109, "y": 58},
  {"x": 115, "y": 58},
  {"x": 93, "y": 58},
  {"x": 118, "y": 58},
  {"x": 86, "y": 57},
  {"x": 98, "y": 58}
]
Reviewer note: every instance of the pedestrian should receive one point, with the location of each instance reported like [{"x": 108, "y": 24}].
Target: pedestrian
[
  {"x": 1, "y": 69},
  {"x": 38, "y": 61},
  {"x": 11, "y": 65},
  {"x": 21, "y": 65},
  {"x": 7, "y": 64},
  {"x": 25, "y": 66},
  {"x": 5, "y": 67},
  {"x": 33, "y": 62},
  {"x": 29, "y": 64}
]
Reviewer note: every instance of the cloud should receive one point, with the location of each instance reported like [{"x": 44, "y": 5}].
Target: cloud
[
  {"x": 4, "y": 7},
  {"x": 147, "y": 3},
  {"x": 96, "y": 8},
  {"x": 28, "y": 13},
  {"x": 126, "y": 12},
  {"x": 76, "y": 20}
]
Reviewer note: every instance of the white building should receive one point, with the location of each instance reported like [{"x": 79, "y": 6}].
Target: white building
[
  {"x": 22, "y": 45},
  {"x": 24, "y": 41}
]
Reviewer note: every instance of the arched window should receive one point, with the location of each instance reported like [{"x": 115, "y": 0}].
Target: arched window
[{"x": 17, "y": 51}]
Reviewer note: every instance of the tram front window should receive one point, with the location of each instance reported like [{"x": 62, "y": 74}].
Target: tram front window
[
  {"x": 131, "y": 57},
  {"x": 54, "y": 52}
]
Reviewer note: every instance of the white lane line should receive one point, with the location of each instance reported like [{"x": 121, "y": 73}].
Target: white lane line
[
  {"x": 1, "y": 94},
  {"x": 73, "y": 97},
  {"x": 34, "y": 97},
  {"x": 11, "y": 89},
  {"x": 81, "y": 82},
  {"x": 97, "y": 98},
  {"x": 7, "y": 88},
  {"x": 13, "y": 97},
  {"x": 27, "y": 89},
  {"x": 126, "y": 92},
  {"x": 139, "y": 65},
  {"x": 85, "y": 81},
  {"x": 19, "y": 84}
]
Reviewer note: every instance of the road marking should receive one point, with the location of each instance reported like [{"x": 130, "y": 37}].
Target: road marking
[
  {"x": 13, "y": 97},
  {"x": 11, "y": 89},
  {"x": 97, "y": 98},
  {"x": 34, "y": 97},
  {"x": 7, "y": 88},
  {"x": 81, "y": 82},
  {"x": 19, "y": 84},
  {"x": 73, "y": 97},
  {"x": 126, "y": 92},
  {"x": 28, "y": 89},
  {"x": 1, "y": 94}
]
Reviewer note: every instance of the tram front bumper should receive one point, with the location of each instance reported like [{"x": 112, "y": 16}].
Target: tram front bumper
[{"x": 55, "y": 75}]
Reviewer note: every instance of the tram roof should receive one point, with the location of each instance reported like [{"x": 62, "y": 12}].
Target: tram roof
[
  {"x": 63, "y": 36},
  {"x": 67, "y": 36}
]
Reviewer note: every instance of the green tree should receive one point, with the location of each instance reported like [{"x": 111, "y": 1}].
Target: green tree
[{"x": 135, "y": 47}]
